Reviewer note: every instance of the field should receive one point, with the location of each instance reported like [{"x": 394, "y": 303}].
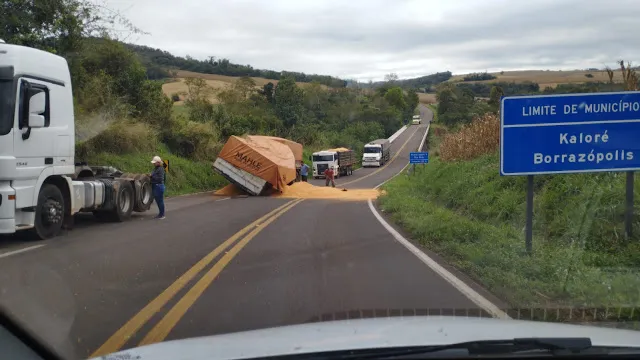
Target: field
[
  {"x": 427, "y": 98},
  {"x": 548, "y": 78},
  {"x": 216, "y": 82}
]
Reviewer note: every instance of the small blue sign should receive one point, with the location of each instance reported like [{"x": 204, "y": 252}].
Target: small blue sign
[
  {"x": 419, "y": 158},
  {"x": 572, "y": 133}
]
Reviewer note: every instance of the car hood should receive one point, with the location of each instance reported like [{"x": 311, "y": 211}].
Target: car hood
[{"x": 368, "y": 333}]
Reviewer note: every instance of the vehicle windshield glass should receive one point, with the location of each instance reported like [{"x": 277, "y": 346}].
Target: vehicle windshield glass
[
  {"x": 455, "y": 171},
  {"x": 7, "y": 101},
  {"x": 318, "y": 158}
]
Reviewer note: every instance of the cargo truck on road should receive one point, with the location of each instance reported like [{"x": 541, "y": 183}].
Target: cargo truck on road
[
  {"x": 341, "y": 159},
  {"x": 41, "y": 186},
  {"x": 376, "y": 153}
]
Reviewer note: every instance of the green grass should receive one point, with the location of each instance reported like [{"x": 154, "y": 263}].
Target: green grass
[
  {"x": 434, "y": 108},
  {"x": 475, "y": 218},
  {"x": 179, "y": 110},
  {"x": 184, "y": 176}
]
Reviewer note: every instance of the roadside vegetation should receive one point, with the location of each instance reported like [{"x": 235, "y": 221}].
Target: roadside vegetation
[
  {"x": 460, "y": 207},
  {"x": 123, "y": 117}
]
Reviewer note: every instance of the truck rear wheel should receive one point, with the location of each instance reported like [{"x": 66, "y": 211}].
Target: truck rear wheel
[
  {"x": 124, "y": 202},
  {"x": 49, "y": 212},
  {"x": 144, "y": 197}
]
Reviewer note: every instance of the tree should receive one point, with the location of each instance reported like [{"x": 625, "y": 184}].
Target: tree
[
  {"x": 267, "y": 91},
  {"x": 245, "y": 86},
  {"x": 412, "y": 99},
  {"x": 59, "y": 26},
  {"x": 395, "y": 97},
  {"x": 494, "y": 98},
  {"x": 289, "y": 102},
  {"x": 391, "y": 78}
]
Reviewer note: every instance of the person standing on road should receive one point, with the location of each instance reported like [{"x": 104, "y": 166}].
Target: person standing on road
[
  {"x": 328, "y": 175},
  {"x": 304, "y": 171},
  {"x": 157, "y": 185}
]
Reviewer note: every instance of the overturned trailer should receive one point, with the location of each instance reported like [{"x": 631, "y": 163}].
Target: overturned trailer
[
  {"x": 256, "y": 164},
  {"x": 296, "y": 148}
]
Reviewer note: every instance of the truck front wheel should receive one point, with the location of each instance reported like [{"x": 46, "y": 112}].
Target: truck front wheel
[{"x": 49, "y": 212}]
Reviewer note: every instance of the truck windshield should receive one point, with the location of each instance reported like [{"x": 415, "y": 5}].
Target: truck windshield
[
  {"x": 6, "y": 106},
  {"x": 317, "y": 158},
  {"x": 372, "y": 150}
]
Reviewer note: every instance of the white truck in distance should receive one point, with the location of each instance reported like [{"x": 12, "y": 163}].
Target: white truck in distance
[
  {"x": 376, "y": 153},
  {"x": 416, "y": 120},
  {"x": 341, "y": 160},
  {"x": 41, "y": 187}
]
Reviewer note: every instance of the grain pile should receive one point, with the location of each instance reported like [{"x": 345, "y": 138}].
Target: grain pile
[
  {"x": 230, "y": 190},
  {"x": 304, "y": 190}
]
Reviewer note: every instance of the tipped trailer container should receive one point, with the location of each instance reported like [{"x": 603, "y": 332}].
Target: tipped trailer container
[
  {"x": 341, "y": 159},
  {"x": 296, "y": 148},
  {"x": 376, "y": 153},
  {"x": 256, "y": 164}
]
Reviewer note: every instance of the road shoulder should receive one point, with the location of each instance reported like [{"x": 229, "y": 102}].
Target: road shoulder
[{"x": 464, "y": 278}]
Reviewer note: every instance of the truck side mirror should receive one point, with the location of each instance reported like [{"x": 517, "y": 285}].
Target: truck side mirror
[
  {"x": 310, "y": 158},
  {"x": 37, "y": 106}
]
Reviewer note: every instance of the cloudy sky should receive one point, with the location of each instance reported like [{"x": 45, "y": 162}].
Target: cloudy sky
[{"x": 366, "y": 39}]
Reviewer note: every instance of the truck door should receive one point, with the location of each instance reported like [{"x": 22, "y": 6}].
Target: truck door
[{"x": 40, "y": 139}]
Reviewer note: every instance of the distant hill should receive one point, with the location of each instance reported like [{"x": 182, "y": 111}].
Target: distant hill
[
  {"x": 215, "y": 82},
  {"x": 160, "y": 63},
  {"x": 422, "y": 83},
  {"x": 544, "y": 78},
  {"x": 547, "y": 78}
]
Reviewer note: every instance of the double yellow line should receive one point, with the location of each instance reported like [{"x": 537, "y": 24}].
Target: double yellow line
[{"x": 170, "y": 320}]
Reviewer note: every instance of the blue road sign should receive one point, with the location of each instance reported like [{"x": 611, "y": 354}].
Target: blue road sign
[
  {"x": 418, "y": 158},
  {"x": 570, "y": 133}
]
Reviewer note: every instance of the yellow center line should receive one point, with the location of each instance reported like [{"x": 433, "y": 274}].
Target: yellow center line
[
  {"x": 128, "y": 330},
  {"x": 391, "y": 161},
  {"x": 171, "y": 319}
]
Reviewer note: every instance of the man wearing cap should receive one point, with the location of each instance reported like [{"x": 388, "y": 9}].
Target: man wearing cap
[{"x": 157, "y": 184}]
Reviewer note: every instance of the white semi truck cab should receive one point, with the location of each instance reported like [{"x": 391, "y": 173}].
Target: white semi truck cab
[
  {"x": 376, "y": 153},
  {"x": 341, "y": 159},
  {"x": 322, "y": 160},
  {"x": 41, "y": 186}
]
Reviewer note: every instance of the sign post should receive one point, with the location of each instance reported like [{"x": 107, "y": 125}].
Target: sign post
[
  {"x": 165, "y": 165},
  {"x": 571, "y": 133},
  {"x": 418, "y": 158}
]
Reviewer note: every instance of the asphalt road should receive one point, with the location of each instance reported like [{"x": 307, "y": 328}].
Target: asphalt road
[{"x": 219, "y": 265}]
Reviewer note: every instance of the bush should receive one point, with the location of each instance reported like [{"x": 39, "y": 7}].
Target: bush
[
  {"x": 122, "y": 137},
  {"x": 193, "y": 140},
  {"x": 480, "y": 137},
  {"x": 479, "y": 77},
  {"x": 184, "y": 176}
]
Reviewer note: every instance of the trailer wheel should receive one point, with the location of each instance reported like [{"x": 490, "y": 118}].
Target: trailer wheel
[
  {"x": 49, "y": 213},
  {"x": 144, "y": 198},
  {"x": 124, "y": 202}
]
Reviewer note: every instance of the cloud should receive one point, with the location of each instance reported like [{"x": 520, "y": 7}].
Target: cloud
[{"x": 366, "y": 39}]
